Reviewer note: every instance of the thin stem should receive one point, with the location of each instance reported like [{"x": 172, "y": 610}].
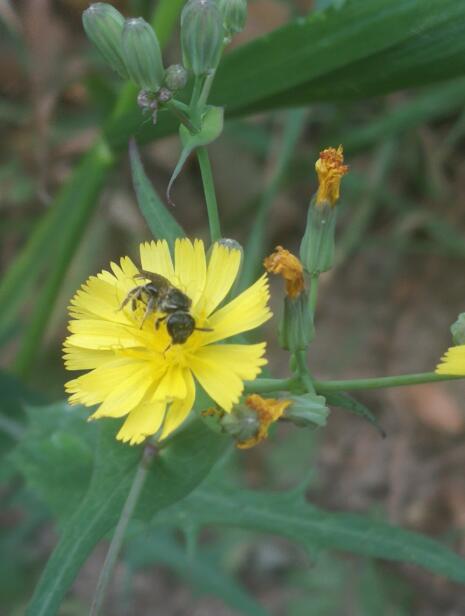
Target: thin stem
[
  {"x": 210, "y": 196},
  {"x": 177, "y": 111},
  {"x": 304, "y": 374},
  {"x": 313, "y": 297},
  {"x": 120, "y": 530},
  {"x": 384, "y": 381},
  {"x": 263, "y": 386},
  {"x": 207, "y": 84}
]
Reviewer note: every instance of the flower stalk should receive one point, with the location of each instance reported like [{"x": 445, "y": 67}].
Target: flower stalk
[{"x": 120, "y": 530}]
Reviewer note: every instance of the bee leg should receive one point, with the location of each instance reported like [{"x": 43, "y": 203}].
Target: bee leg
[
  {"x": 160, "y": 320},
  {"x": 148, "y": 310},
  {"x": 132, "y": 297},
  {"x": 203, "y": 329}
]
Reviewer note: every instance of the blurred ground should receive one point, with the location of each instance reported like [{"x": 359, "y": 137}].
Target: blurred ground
[{"x": 384, "y": 310}]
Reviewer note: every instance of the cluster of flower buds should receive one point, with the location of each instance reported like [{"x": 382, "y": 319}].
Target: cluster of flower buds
[{"x": 131, "y": 48}]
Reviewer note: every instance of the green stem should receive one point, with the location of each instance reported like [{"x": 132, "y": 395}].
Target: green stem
[
  {"x": 384, "y": 381},
  {"x": 304, "y": 374},
  {"x": 120, "y": 530},
  {"x": 313, "y": 297},
  {"x": 263, "y": 386},
  {"x": 210, "y": 196}
]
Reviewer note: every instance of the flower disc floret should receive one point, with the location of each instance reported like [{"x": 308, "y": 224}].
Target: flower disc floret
[{"x": 132, "y": 368}]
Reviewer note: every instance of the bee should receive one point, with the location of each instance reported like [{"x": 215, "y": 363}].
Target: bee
[{"x": 159, "y": 295}]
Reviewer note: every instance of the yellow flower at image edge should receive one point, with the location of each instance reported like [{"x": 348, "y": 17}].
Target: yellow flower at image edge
[
  {"x": 134, "y": 369},
  {"x": 453, "y": 361}
]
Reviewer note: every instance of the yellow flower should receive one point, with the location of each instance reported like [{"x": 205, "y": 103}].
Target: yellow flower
[
  {"x": 286, "y": 264},
  {"x": 268, "y": 411},
  {"x": 330, "y": 169},
  {"x": 453, "y": 361},
  {"x": 134, "y": 369}
]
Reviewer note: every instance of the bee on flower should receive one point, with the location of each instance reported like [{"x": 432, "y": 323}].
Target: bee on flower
[{"x": 134, "y": 366}]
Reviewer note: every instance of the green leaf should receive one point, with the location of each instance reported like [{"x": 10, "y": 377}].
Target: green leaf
[
  {"x": 289, "y": 515},
  {"x": 62, "y": 453},
  {"x": 343, "y": 400},
  {"x": 162, "y": 224},
  {"x": 212, "y": 127},
  {"x": 337, "y": 54},
  {"x": 200, "y": 572}
]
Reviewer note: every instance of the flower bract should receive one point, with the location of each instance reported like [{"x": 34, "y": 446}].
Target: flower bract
[{"x": 133, "y": 369}]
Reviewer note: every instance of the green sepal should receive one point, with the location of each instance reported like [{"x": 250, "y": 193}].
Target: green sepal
[
  {"x": 142, "y": 54},
  {"x": 296, "y": 329},
  {"x": 317, "y": 247},
  {"x": 307, "y": 409},
  {"x": 103, "y": 25},
  {"x": 202, "y": 36},
  {"x": 457, "y": 330}
]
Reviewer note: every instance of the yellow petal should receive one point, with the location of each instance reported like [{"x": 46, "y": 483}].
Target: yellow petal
[
  {"x": 142, "y": 422},
  {"x": 247, "y": 311},
  {"x": 190, "y": 267},
  {"x": 103, "y": 335},
  {"x": 93, "y": 387},
  {"x": 128, "y": 393},
  {"x": 98, "y": 298},
  {"x": 220, "y": 383},
  {"x": 245, "y": 360},
  {"x": 172, "y": 385},
  {"x": 453, "y": 362},
  {"x": 155, "y": 257},
  {"x": 179, "y": 409},
  {"x": 85, "y": 359},
  {"x": 223, "y": 267}
]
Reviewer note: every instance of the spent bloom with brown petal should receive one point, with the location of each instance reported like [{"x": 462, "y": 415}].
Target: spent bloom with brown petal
[
  {"x": 267, "y": 410},
  {"x": 330, "y": 169},
  {"x": 288, "y": 266}
]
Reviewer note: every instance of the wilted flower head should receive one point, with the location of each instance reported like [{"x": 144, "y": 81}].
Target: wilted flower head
[
  {"x": 330, "y": 169},
  {"x": 267, "y": 410},
  {"x": 288, "y": 266},
  {"x": 133, "y": 367}
]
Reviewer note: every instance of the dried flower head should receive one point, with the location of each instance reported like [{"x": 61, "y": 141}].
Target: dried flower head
[
  {"x": 330, "y": 169},
  {"x": 288, "y": 266},
  {"x": 268, "y": 410}
]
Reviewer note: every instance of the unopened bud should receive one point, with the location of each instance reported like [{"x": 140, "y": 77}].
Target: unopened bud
[
  {"x": 202, "y": 35},
  {"x": 175, "y": 77},
  {"x": 242, "y": 423},
  {"x": 307, "y": 410},
  {"x": 142, "y": 54},
  {"x": 103, "y": 25},
  {"x": 296, "y": 329},
  {"x": 234, "y": 14},
  {"x": 457, "y": 330}
]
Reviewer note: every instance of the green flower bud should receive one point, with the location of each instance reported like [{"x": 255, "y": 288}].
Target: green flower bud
[
  {"x": 234, "y": 14},
  {"x": 242, "y": 423},
  {"x": 103, "y": 25},
  {"x": 296, "y": 329},
  {"x": 202, "y": 35},
  {"x": 307, "y": 410},
  {"x": 142, "y": 54},
  {"x": 318, "y": 242},
  {"x": 457, "y": 330},
  {"x": 175, "y": 77}
]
